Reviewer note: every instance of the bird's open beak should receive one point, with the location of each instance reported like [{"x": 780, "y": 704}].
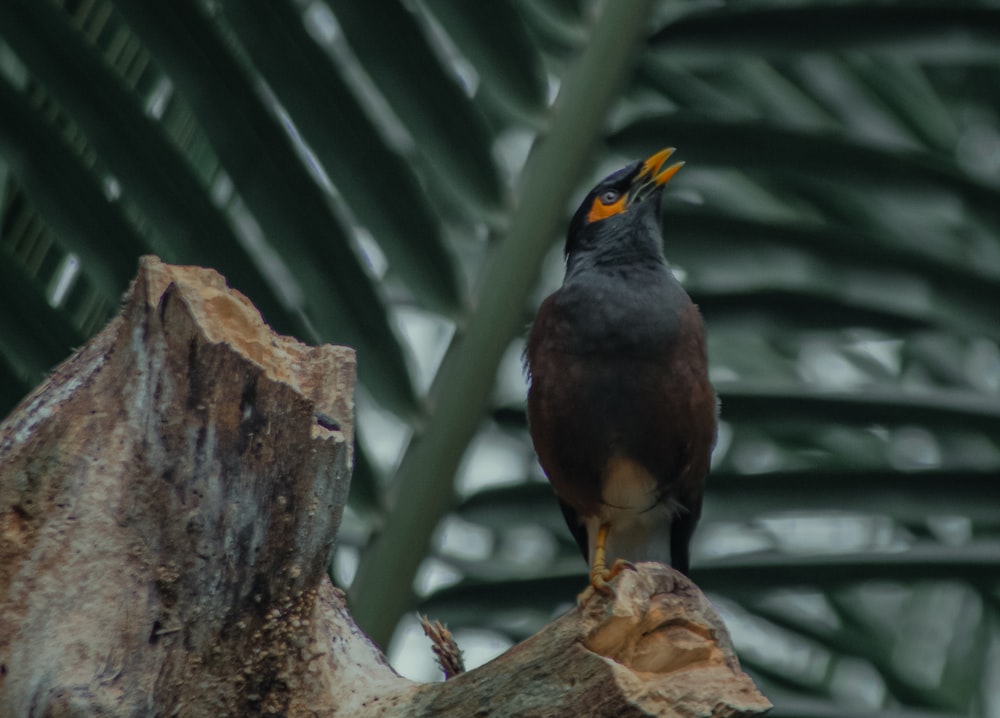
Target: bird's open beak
[{"x": 651, "y": 176}]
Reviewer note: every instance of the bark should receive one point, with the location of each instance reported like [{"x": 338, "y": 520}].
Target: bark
[{"x": 169, "y": 500}]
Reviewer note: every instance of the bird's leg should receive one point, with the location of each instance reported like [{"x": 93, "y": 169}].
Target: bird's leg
[
  {"x": 599, "y": 570},
  {"x": 600, "y": 575}
]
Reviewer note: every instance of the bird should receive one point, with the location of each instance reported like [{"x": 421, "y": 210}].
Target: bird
[{"x": 621, "y": 411}]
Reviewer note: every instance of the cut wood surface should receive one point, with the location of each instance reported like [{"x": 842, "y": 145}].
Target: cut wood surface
[{"x": 169, "y": 500}]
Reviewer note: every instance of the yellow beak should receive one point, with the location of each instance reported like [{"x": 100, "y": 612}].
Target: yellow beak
[{"x": 650, "y": 172}]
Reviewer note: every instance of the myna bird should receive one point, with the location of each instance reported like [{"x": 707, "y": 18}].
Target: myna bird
[{"x": 621, "y": 411}]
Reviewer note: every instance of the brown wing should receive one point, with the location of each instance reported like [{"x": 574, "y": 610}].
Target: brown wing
[{"x": 557, "y": 410}]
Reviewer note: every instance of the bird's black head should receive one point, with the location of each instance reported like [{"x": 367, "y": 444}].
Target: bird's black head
[{"x": 621, "y": 208}]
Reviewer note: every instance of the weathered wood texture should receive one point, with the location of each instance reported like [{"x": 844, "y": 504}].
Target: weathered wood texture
[
  {"x": 168, "y": 504},
  {"x": 654, "y": 648}
]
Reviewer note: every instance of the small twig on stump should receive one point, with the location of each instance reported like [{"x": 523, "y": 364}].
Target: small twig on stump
[{"x": 449, "y": 655}]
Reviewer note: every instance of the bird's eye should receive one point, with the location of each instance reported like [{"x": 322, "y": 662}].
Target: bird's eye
[{"x": 610, "y": 196}]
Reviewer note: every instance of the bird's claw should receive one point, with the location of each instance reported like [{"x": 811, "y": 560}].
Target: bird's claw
[{"x": 600, "y": 580}]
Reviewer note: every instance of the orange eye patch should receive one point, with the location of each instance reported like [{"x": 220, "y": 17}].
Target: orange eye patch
[{"x": 602, "y": 209}]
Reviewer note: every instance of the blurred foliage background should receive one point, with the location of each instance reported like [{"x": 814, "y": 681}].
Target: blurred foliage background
[{"x": 396, "y": 175}]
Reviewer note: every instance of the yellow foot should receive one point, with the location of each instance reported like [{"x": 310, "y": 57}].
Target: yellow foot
[{"x": 600, "y": 580}]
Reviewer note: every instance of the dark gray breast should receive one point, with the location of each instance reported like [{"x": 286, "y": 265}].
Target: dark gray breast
[{"x": 638, "y": 312}]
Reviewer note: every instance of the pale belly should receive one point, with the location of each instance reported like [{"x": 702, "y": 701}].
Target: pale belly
[{"x": 639, "y": 528}]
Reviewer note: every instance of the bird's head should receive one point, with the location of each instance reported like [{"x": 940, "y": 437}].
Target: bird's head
[{"x": 622, "y": 209}]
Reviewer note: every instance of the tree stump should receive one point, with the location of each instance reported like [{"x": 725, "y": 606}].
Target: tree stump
[{"x": 169, "y": 500}]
